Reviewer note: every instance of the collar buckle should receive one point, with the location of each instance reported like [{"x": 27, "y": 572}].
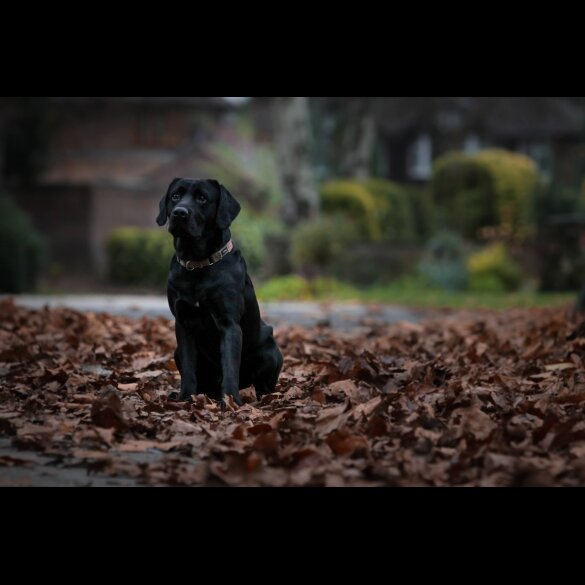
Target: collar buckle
[{"x": 191, "y": 265}]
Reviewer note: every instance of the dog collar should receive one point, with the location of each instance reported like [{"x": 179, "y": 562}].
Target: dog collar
[{"x": 191, "y": 265}]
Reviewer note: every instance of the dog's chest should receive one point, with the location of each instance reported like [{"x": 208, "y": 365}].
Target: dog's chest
[
  {"x": 189, "y": 291},
  {"x": 196, "y": 316},
  {"x": 193, "y": 307}
]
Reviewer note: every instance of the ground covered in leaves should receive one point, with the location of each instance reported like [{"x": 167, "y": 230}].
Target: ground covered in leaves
[{"x": 475, "y": 399}]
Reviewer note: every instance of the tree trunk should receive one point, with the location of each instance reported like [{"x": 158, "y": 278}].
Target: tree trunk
[
  {"x": 292, "y": 141},
  {"x": 358, "y": 139}
]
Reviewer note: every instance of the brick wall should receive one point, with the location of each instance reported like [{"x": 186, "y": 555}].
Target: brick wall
[{"x": 114, "y": 208}]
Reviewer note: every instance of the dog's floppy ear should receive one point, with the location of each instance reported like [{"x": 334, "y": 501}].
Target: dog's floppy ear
[
  {"x": 227, "y": 209},
  {"x": 163, "y": 215}
]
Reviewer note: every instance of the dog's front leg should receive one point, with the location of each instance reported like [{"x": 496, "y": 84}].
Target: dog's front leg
[
  {"x": 186, "y": 359},
  {"x": 231, "y": 356}
]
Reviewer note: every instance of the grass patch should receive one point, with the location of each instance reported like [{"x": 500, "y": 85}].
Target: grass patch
[{"x": 410, "y": 292}]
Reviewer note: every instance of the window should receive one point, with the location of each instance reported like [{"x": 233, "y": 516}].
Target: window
[
  {"x": 541, "y": 154},
  {"x": 420, "y": 158},
  {"x": 472, "y": 144}
]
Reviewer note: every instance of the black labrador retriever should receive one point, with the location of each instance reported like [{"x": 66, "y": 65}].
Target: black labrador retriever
[{"x": 223, "y": 345}]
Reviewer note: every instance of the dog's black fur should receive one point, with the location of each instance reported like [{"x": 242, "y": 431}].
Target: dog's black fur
[{"x": 223, "y": 345}]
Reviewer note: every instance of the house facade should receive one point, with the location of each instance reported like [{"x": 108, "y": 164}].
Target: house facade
[
  {"x": 110, "y": 160},
  {"x": 414, "y": 131}
]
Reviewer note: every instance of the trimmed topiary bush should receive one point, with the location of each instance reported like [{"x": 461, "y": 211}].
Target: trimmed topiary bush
[
  {"x": 395, "y": 207},
  {"x": 355, "y": 200},
  {"x": 22, "y": 251},
  {"x": 491, "y": 188},
  {"x": 463, "y": 195},
  {"x": 382, "y": 210}
]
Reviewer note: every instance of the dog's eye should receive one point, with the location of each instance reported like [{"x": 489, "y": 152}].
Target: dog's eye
[
  {"x": 202, "y": 199},
  {"x": 176, "y": 197}
]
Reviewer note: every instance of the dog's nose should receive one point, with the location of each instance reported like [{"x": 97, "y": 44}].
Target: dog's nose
[{"x": 181, "y": 213}]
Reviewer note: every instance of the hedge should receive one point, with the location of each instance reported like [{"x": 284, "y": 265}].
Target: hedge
[
  {"x": 142, "y": 256},
  {"x": 382, "y": 210},
  {"x": 491, "y": 188},
  {"x": 22, "y": 250},
  {"x": 139, "y": 256}
]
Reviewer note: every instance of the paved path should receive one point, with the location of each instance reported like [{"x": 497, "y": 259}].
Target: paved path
[
  {"x": 32, "y": 469},
  {"x": 336, "y": 315}
]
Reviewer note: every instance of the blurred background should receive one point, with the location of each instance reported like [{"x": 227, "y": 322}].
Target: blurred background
[{"x": 431, "y": 201}]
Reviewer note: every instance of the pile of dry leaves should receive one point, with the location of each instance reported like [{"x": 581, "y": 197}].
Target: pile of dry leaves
[{"x": 479, "y": 399}]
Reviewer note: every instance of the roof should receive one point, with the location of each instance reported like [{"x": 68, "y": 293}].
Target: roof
[
  {"x": 533, "y": 117},
  {"x": 124, "y": 169},
  {"x": 127, "y": 169},
  {"x": 397, "y": 115},
  {"x": 498, "y": 117}
]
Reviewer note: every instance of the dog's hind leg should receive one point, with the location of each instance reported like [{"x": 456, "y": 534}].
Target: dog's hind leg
[{"x": 268, "y": 364}]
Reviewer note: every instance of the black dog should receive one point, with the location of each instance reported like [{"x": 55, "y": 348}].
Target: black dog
[{"x": 223, "y": 345}]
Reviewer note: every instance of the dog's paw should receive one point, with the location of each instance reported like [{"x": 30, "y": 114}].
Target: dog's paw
[
  {"x": 173, "y": 395},
  {"x": 231, "y": 401},
  {"x": 179, "y": 396}
]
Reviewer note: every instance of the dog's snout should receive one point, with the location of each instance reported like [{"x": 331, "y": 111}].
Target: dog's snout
[{"x": 181, "y": 213}]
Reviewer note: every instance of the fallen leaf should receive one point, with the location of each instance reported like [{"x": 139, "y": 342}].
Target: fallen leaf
[
  {"x": 560, "y": 367},
  {"x": 106, "y": 411}
]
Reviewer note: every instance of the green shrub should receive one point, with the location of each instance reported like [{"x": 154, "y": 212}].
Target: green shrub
[
  {"x": 251, "y": 231},
  {"x": 139, "y": 256},
  {"x": 22, "y": 251},
  {"x": 318, "y": 243},
  {"x": 444, "y": 263},
  {"x": 285, "y": 288},
  {"x": 142, "y": 256},
  {"x": 491, "y": 188},
  {"x": 463, "y": 193},
  {"x": 355, "y": 200},
  {"x": 395, "y": 207},
  {"x": 382, "y": 210},
  {"x": 493, "y": 269}
]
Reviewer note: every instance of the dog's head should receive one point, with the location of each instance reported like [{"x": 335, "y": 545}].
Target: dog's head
[{"x": 197, "y": 208}]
